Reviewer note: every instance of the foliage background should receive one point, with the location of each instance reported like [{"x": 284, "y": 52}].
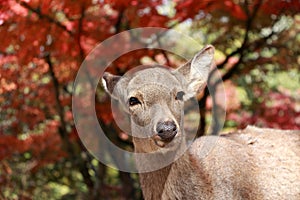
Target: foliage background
[{"x": 43, "y": 43}]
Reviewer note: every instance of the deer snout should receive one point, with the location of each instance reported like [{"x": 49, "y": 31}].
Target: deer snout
[{"x": 166, "y": 130}]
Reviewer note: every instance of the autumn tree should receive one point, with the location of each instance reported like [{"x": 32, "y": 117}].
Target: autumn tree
[{"x": 43, "y": 44}]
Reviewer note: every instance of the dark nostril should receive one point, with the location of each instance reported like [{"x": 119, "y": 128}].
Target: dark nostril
[{"x": 166, "y": 130}]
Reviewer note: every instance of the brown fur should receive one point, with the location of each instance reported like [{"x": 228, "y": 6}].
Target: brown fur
[
  {"x": 253, "y": 164},
  {"x": 250, "y": 164}
]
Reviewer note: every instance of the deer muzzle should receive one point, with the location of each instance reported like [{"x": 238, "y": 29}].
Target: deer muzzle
[{"x": 166, "y": 131}]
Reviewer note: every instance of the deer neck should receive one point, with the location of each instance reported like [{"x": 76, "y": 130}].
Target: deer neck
[
  {"x": 153, "y": 183},
  {"x": 162, "y": 167},
  {"x": 156, "y": 183},
  {"x": 165, "y": 181}
]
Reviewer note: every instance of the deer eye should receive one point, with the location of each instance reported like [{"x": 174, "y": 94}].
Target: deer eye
[
  {"x": 179, "y": 95},
  {"x": 133, "y": 101}
]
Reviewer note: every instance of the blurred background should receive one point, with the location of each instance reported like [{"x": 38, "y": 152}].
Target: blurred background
[{"x": 43, "y": 43}]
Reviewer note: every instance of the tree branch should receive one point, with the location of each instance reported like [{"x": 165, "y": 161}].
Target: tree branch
[
  {"x": 241, "y": 49},
  {"x": 63, "y": 131},
  {"x": 245, "y": 40},
  {"x": 83, "y": 164},
  {"x": 118, "y": 24},
  {"x": 48, "y": 18},
  {"x": 230, "y": 72}
]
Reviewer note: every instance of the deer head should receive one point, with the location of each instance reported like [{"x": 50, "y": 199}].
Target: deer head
[{"x": 154, "y": 98}]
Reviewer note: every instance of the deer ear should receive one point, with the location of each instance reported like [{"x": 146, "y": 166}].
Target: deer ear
[
  {"x": 109, "y": 83},
  {"x": 196, "y": 71}
]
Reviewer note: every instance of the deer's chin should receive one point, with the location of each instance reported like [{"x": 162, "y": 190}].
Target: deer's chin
[{"x": 164, "y": 143}]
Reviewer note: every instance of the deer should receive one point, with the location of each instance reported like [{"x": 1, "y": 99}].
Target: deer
[{"x": 252, "y": 163}]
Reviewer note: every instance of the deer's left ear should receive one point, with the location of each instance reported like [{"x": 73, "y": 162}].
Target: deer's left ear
[{"x": 196, "y": 71}]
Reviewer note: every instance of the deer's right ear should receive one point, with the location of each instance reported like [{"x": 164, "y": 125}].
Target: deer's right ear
[{"x": 109, "y": 83}]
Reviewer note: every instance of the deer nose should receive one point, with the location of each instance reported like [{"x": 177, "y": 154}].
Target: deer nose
[{"x": 166, "y": 130}]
